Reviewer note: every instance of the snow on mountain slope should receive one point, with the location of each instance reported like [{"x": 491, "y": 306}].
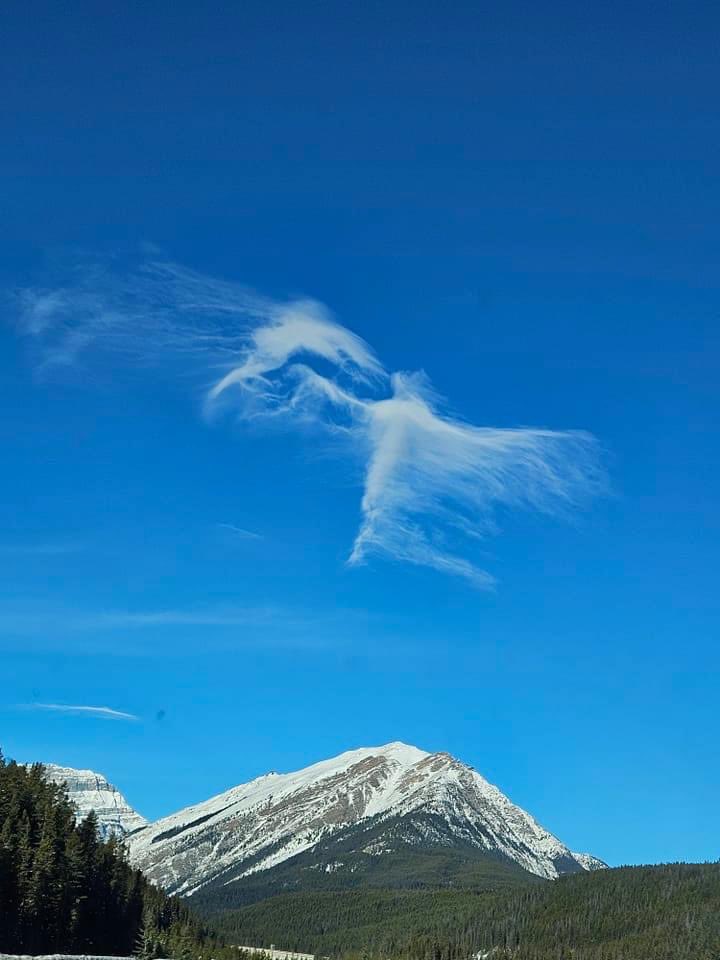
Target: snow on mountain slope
[
  {"x": 91, "y": 791},
  {"x": 260, "y": 824},
  {"x": 588, "y": 862}
]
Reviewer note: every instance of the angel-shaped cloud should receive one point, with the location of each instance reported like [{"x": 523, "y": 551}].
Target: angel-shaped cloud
[{"x": 432, "y": 482}]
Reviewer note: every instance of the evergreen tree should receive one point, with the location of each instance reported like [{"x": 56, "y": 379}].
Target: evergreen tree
[{"x": 63, "y": 889}]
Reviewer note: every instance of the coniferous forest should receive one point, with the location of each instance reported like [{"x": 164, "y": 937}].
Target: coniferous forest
[
  {"x": 63, "y": 890},
  {"x": 667, "y": 912}
]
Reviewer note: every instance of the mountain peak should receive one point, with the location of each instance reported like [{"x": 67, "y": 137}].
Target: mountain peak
[
  {"x": 337, "y": 814},
  {"x": 404, "y": 753},
  {"x": 400, "y": 794},
  {"x": 90, "y": 791}
]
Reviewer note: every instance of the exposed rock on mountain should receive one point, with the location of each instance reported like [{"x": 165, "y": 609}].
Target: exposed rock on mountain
[
  {"x": 91, "y": 791},
  {"x": 338, "y": 814}
]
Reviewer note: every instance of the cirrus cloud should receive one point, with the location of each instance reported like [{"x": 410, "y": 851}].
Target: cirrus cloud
[
  {"x": 432, "y": 483},
  {"x": 79, "y": 710}
]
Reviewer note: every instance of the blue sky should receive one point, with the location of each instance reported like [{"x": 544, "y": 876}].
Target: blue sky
[{"x": 523, "y": 204}]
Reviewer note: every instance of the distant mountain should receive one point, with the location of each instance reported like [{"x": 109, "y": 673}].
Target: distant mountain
[
  {"x": 365, "y": 816},
  {"x": 91, "y": 791},
  {"x": 66, "y": 893}
]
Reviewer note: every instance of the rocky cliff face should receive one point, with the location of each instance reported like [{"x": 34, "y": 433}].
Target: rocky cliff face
[{"x": 91, "y": 791}]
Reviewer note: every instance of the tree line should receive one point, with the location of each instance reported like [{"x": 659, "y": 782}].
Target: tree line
[
  {"x": 64, "y": 890},
  {"x": 667, "y": 912}
]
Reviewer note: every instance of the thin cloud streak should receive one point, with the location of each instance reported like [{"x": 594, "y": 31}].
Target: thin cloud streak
[
  {"x": 40, "y": 549},
  {"x": 240, "y": 532},
  {"x": 98, "y": 620},
  {"x": 432, "y": 483},
  {"x": 145, "y": 632},
  {"x": 22, "y": 621},
  {"x": 176, "y": 618},
  {"x": 104, "y": 713}
]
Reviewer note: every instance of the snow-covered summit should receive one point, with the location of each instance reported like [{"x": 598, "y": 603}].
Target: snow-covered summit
[
  {"x": 91, "y": 791},
  {"x": 261, "y": 824},
  {"x": 370, "y": 800}
]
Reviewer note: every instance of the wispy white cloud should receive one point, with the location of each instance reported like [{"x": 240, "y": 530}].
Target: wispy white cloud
[
  {"x": 104, "y": 713},
  {"x": 430, "y": 476},
  {"x": 175, "y": 618},
  {"x": 47, "y": 549},
  {"x": 305, "y": 327},
  {"x": 432, "y": 482},
  {"x": 177, "y": 632},
  {"x": 29, "y": 622},
  {"x": 240, "y": 532}
]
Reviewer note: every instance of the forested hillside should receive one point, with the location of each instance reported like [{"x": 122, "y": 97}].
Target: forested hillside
[
  {"x": 62, "y": 889},
  {"x": 667, "y": 912},
  {"x": 402, "y": 866}
]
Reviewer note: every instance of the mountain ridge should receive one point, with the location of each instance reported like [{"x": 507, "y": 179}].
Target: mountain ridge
[
  {"x": 427, "y": 798},
  {"x": 349, "y": 816}
]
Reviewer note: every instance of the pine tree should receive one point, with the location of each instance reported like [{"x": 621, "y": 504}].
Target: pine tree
[
  {"x": 64, "y": 889},
  {"x": 148, "y": 940}
]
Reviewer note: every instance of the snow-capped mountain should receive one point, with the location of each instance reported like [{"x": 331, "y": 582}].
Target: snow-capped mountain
[
  {"x": 91, "y": 791},
  {"x": 368, "y": 802},
  {"x": 588, "y": 862}
]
